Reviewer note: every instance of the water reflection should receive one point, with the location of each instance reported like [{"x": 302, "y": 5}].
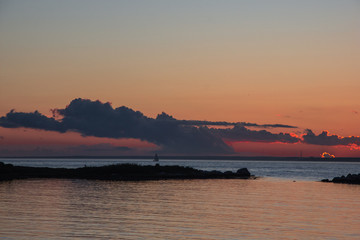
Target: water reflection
[{"x": 178, "y": 209}]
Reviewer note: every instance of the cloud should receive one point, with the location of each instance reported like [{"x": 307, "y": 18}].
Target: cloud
[
  {"x": 94, "y": 118},
  {"x": 166, "y": 117},
  {"x": 329, "y": 140},
  {"x": 99, "y": 148},
  {"x": 102, "y": 149},
  {"x": 267, "y": 125},
  {"x": 240, "y": 133},
  {"x": 33, "y": 120}
]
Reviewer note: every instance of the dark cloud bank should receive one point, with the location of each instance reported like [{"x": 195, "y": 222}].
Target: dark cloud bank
[
  {"x": 329, "y": 140},
  {"x": 94, "y": 118}
]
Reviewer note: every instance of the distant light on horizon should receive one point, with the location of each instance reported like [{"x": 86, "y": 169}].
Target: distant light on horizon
[{"x": 327, "y": 155}]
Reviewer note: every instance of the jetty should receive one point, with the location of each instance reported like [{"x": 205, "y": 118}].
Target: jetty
[{"x": 121, "y": 172}]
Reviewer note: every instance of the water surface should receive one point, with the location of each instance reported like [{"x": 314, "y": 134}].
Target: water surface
[
  {"x": 287, "y": 202},
  {"x": 267, "y": 208}
]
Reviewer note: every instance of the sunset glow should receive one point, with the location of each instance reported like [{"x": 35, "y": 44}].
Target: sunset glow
[
  {"x": 284, "y": 79},
  {"x": 327, "y": 155}
]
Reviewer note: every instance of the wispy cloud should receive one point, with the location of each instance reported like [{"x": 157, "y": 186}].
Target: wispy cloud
[
  {"x": 165, "y": 117},
  {"x": 241, "y": 133}
]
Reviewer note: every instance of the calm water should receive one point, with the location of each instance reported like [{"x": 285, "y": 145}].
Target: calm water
[{"x": 267, "y": 208}]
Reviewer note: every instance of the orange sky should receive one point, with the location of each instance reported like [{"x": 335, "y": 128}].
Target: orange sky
[{"x": 285, "y": 62}]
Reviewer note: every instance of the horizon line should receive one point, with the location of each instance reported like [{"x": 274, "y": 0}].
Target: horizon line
[{"x": 196, "y": 157}]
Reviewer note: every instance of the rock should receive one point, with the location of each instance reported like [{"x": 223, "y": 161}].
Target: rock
[
  {"x": 350, "y": 179},
  {"x": 244, "y": 172}
]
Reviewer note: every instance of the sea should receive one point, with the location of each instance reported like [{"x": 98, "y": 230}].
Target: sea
[{"x": 285, "y": 201}]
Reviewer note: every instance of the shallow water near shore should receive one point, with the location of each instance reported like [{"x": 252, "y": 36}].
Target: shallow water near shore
[{"x": 271, "y": 207}]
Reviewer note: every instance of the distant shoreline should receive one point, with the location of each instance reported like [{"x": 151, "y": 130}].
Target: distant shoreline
[{"x": 234, "y": 158}]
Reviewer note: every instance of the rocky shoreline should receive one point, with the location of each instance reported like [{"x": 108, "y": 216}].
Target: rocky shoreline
[
  {"x": 120, "y": 172},
  {"x": 349, "y": 179}
]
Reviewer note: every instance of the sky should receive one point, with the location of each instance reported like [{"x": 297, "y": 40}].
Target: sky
[{"x": 93, "y": 77}]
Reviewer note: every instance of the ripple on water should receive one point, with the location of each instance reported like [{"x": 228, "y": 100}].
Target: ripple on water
[{"x": 178, "y": 209}]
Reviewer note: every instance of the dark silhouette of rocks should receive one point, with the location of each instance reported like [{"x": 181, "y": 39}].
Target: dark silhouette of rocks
[
  {"x": 350, "y": 179},
  {"x": 243, "y": 172},
  {"x": 122, "y": 172}
]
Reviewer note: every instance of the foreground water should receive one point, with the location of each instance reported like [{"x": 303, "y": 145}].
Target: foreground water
[
  {"x": 266, "y": 208},
  {"x": 178, "y": 209}
]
